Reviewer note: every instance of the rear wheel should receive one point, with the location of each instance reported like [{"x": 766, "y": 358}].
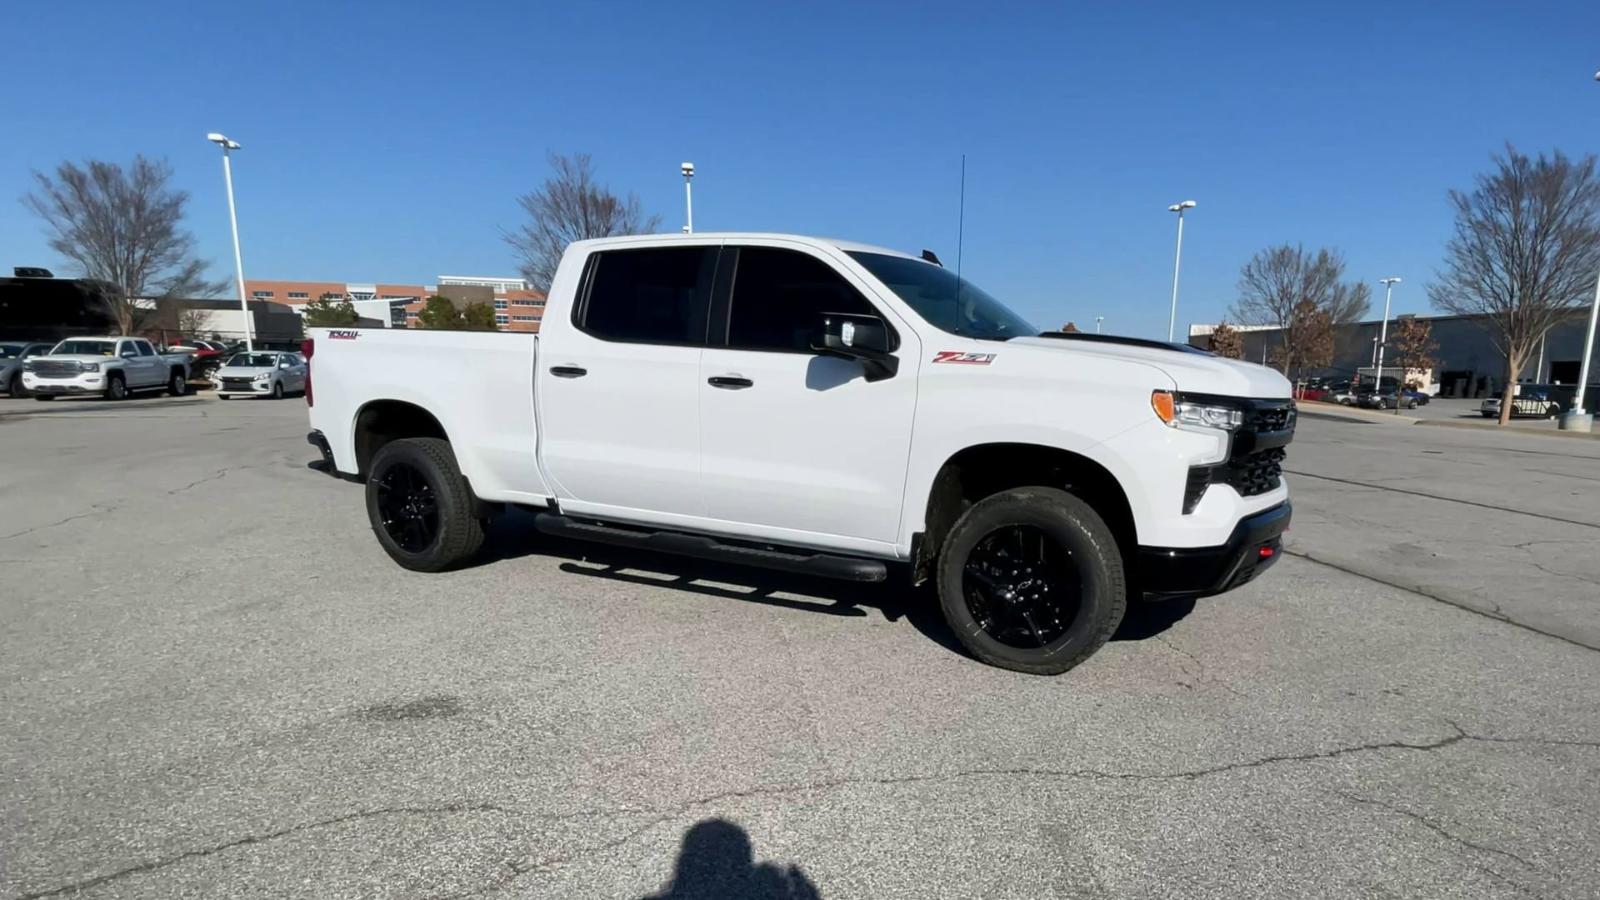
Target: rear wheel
[
  {"x": 420, "y": 507},
  {"x": 177, "y": 385},
  {"x": 116, "y": 387},
  {"x": 1031, "y": 579}
]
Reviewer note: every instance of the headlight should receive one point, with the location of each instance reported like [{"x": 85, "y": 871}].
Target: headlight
[
  {"x": 263, "y": 379},
  {"x": 1174, "y": 411},
  {"x": 27, "y": 365},
  {"x": 88, "y": 367}
]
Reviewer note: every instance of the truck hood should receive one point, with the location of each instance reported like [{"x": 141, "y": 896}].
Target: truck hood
[
  {"x": 1200, "y": 373},
  {"x": 77, "y": 358}
]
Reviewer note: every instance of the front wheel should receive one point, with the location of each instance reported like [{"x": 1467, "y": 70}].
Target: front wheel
[
  {"x": 1031, "y": 579},
  {"x": 420, "y": 507},
  {"x": 16, "y": 389},
  {"x": 116, "y": 388}
]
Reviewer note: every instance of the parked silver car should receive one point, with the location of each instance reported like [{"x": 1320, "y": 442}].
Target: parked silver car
[
  {"x": 265, "y": 373},
  {"x": 12, "y": 353}
]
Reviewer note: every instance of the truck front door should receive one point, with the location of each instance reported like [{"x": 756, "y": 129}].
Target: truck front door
[{"x": 798, "y": 447}]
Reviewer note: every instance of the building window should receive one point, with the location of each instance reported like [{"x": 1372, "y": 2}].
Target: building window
[
  {"x": 502, "y": 320},
  {"x": 524, "y": 318},
  {"x": 411, "y": 314},
  {"x": 499, "y": 304},
  {"x": 299, "y": 295},
  {"x": 261, "y": 295}
]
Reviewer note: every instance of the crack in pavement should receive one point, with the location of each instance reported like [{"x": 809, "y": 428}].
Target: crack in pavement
[
  {"x": 666, "y": 814},
  {"x": 1496, "y": 614},
  {"x": 1434, "y": 827},
  {"x": 93, "y": 510},
  {"x": 164, "y": 862},
  {"x": 1200, "y": 674},
  {"x": 1371, "y": 485},
  {"x": 220, "y": 474}
]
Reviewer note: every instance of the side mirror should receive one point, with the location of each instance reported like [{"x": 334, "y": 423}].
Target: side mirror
[
  {"x": 129, "y": 354},
  {"x": 850, "y": 336}
]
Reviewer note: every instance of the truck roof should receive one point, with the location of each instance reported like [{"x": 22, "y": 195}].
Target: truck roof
[{"x": 716, "y": 236}]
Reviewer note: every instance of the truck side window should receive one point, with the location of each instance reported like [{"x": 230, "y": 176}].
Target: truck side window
[
  {"x": 778, "y": 296},
  {"x": 144, "y": 348},
  {"x": 655, "y": 296}
]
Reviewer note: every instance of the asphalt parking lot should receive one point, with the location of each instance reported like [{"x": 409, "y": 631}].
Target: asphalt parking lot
[{"x": 214, "y": 684}]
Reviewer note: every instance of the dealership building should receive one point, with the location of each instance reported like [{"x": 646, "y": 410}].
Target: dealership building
[
  {"x": 1469, "y": 364},
  {"x": 516, "y": 307}
]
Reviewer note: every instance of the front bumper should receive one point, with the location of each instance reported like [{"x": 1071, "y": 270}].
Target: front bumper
[
  {"x": 1175, "y": 572},
  {"x": 87, "y": 383}
]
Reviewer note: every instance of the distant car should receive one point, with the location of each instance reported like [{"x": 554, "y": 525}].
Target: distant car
[
  {"x": 11, "y": 356},
  {"x": 197, "y": 348},
  {"x": 1535, "y": 405},
  {"x": 1387, "y": 399},
  {"x": 1421, "y": 398},
  {"x": 1342, "y": 394},
  {"x": 261, "y": 374}
]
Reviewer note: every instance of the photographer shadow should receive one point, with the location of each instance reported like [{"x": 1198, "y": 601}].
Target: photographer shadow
[{"x": 717, "y": 861}]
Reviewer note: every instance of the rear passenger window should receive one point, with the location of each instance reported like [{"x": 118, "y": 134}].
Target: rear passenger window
[
  {"x": 778, "y": 296},
  {"x": 655, "y": 296}
]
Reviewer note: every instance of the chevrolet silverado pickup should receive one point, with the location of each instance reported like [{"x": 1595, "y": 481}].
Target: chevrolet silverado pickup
[{"x": 822, "y": 407}]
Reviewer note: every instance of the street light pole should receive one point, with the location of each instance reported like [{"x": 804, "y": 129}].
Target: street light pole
[
  {"x": 1383, "y": 341},
  {"x": 688, "y": 197},
  {"x": 1588, "y": 344},
  {"x": 1097, "y": 321},
  {"x": 1177, "y": 261},
  {"x": 228, "y": 146}
]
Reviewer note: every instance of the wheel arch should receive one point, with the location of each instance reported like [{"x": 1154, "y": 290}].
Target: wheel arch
[
  {"x": 379, "y": 422},
  {"x": 982, "y": 470}
]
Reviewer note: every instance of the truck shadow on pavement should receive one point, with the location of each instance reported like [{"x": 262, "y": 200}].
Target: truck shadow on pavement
[
  {"x": 513, "y": 535},
  {"x": 717, "y": 861}
]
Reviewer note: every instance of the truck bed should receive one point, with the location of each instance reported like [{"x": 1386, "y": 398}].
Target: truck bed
[{"x": 476, "y": 384}]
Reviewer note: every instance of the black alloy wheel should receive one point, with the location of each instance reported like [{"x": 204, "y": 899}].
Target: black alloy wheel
[
  {"x": 408, "y": 508},
  {"x": 1022, "y": 587}
]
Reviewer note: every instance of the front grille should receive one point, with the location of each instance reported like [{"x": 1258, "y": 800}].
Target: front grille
[
  {"x": 1255, "y": 463},
  {"x": 1256, "y": 473},
  {"x": 45, "y": 368},
  {"x": 237, "y": 384}
]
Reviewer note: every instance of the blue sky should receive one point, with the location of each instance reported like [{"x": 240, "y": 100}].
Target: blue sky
[{"x": 389, "y": 141}]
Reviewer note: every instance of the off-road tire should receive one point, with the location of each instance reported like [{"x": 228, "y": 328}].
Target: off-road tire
[
  {"x": 460, "y": 531},
  {"x": 1076, "y": 528}
]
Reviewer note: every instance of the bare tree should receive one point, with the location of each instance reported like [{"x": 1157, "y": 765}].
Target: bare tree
[
  {"x": 1308, "y": 341},
  {"x": 1227, "y": 341},
  {"x": 1278, "y": 283},
  {"x": 192, "y": 320},
  {"x": 571, "y": 206},
  {"x": 122, "y": 227},
  {"x": 1413, "y": 348},
  {"x": 1524, "y": 254},
  {"x": 1070, "y": 328}
]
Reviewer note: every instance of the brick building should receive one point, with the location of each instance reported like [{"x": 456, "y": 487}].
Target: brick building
[{"x": 516, "y": 308}]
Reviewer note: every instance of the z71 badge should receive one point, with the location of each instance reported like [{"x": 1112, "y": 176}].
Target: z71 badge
[{"x": 962, "y": 358}]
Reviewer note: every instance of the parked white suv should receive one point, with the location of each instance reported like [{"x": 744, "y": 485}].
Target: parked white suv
[
  {"x": 830, "y": 408},
  {"x": 113, "y": 367}
]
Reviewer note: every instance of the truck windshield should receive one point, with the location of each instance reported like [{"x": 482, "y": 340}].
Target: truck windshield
[
  {"x": 85, "y": 348},
  {"x": 947, "y": 302}
]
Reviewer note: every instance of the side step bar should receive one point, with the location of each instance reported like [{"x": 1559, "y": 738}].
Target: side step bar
[{"x": 700, "y": 547}]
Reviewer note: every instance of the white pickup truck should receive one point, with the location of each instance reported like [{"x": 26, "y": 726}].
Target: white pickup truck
[
  {"x": 113, "y": 367},
  {"x": 824, "y": 407}
]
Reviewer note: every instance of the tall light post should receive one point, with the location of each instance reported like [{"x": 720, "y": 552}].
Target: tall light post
[
  {"x": 1177, "y": 260},
  {"x": 1383, "y": 340},
  {"x": 1097, "y": 321},
  {"x": 1578, "y": 418},
  {"x": 228, "y": 146},
  {"x": 688, "y": 197}
]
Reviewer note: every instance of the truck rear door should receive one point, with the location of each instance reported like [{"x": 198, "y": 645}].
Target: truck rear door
[{"x": 618, "y": 385}]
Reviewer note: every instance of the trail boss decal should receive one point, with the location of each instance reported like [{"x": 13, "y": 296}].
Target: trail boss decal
[
  {"x": 962, "y": 358},
  {"x": 343, "y": 335}
]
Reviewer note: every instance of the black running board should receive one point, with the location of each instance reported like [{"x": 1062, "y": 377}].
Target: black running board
[{"x": 842, "y": 567}]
